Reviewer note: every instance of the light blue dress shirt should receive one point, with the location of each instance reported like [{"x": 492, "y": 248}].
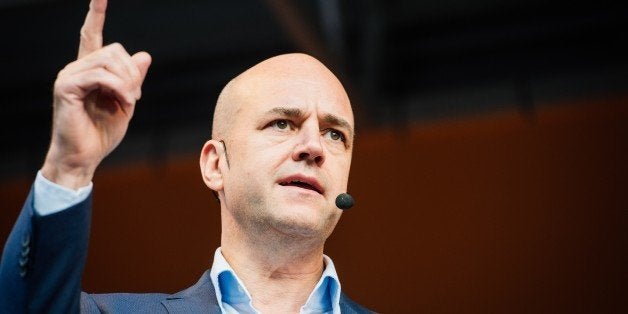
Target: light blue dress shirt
[
  {"x": 234, "y": 298},
  {"x": 231, "y": 293}
]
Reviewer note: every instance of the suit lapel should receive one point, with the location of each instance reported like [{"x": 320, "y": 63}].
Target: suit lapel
[
  {"x": 200, "y": 298},
  {"x": 349, "y": 306}
]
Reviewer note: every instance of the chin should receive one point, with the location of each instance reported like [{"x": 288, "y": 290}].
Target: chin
[
  {"x": 298, "y": 226},
  {"x": 303, "y": 222}
]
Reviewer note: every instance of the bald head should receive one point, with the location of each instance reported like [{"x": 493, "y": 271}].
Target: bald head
[{"x": 289, "y": 74}]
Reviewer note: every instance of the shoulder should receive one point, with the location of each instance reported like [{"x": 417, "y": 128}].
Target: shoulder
[
  {"x": 199, "y": 298},
  {"x": 349, "y": 306},
  {"x": 123, "y": 303}
]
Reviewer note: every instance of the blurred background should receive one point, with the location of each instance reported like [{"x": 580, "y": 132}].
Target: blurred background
[{"x": 490, "y": 168}]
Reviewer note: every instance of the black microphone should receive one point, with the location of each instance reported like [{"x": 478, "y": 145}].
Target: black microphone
[{"x": 344, "y": 201}]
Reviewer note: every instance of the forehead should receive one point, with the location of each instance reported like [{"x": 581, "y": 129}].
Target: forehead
[{"x": 313, "y": 93}]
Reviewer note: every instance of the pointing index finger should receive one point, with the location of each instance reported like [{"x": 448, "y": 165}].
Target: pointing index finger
[{"x": 91, "y": 32}]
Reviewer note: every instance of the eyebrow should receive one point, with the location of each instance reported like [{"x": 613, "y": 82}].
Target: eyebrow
[
  {"x": 328, "y": 118},
  {"x": 336, "y": 120},
  {"x": 288, "y": 112}
]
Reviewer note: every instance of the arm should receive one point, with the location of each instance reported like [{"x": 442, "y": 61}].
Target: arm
[
  {"x": 43, "y": 260},
  {"x": 93, "y": 101}
]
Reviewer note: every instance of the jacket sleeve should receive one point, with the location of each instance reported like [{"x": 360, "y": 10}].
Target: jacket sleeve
[{"x": 43, "y": 260}]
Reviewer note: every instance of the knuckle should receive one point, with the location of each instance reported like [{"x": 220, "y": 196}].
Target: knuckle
[
  {"x": 62, "y": 73},
  {"x": 136, "y": 76},
  {"x": 87, "y": 36},
  {"x": 100, "y": 73},
  {"x": 107, "y": 54},
  {"x": 84, "y": 33},
  {"x": 59, "y": 87},
  {"x": 117, "y": 48},
  {"x": 129, "y": 87}
]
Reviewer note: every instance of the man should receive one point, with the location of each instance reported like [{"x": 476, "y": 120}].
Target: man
[{"x": 280, "y": 153}]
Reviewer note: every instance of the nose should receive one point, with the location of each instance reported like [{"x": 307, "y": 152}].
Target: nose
[{"x": 309, "y": 148}]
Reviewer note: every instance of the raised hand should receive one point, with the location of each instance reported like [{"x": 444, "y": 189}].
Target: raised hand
[{"x": 94, "y": 100}]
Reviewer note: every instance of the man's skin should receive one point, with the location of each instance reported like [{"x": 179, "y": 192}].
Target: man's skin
[
  {"x": 286, "y": 119},
  {"x": 94, "y": 99}
]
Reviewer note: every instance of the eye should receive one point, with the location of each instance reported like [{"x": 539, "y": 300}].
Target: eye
[
  {"x": 281, "y": 124},
  {"x": 335, "y": 135}
]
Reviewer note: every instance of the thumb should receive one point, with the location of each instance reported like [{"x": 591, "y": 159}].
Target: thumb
[{"x": 142, "y": 60}]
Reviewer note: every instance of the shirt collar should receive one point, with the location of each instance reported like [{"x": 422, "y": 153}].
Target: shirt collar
[{"x": 232, "y": 295}]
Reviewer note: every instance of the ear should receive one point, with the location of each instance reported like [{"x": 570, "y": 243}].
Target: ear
[{"x": 209, "y": 162}]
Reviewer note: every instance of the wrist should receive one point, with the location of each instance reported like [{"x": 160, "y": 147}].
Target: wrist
[{"x": 73, "y": 177}]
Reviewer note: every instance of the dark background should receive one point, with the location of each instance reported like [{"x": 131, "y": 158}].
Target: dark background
[{"x": 489, "y": 170}]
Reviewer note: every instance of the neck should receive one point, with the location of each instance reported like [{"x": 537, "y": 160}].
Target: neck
[{"x": 279, "y": 270}]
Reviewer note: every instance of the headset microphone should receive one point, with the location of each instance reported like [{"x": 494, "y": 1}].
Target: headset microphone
[{"x": 344, "y": 201}]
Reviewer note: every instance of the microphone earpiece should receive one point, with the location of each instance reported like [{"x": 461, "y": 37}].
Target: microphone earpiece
[{"x": 344, "y": 201}]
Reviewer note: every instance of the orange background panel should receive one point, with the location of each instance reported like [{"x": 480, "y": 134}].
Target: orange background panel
[{"x": 493, "y": 213}]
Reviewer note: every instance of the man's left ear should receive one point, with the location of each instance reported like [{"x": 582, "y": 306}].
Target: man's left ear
[{"x": 210, "y": 157}]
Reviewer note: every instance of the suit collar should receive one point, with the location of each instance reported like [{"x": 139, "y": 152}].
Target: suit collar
[
  {"x": 349, "y": 306},
  {"x": 199, "y": 298}
]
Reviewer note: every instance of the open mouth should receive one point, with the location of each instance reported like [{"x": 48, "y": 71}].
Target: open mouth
[{"x": 301, "y": 184}]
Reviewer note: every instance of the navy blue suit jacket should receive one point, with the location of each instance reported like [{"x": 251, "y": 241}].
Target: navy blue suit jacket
[{"x": 44, "y": 258}]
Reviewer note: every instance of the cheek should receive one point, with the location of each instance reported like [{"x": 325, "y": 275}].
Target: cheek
[
  {"x": 339, "y": 175},
  {"x": 255, "y": 161},
  {"x": 346, "y": 168}
]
